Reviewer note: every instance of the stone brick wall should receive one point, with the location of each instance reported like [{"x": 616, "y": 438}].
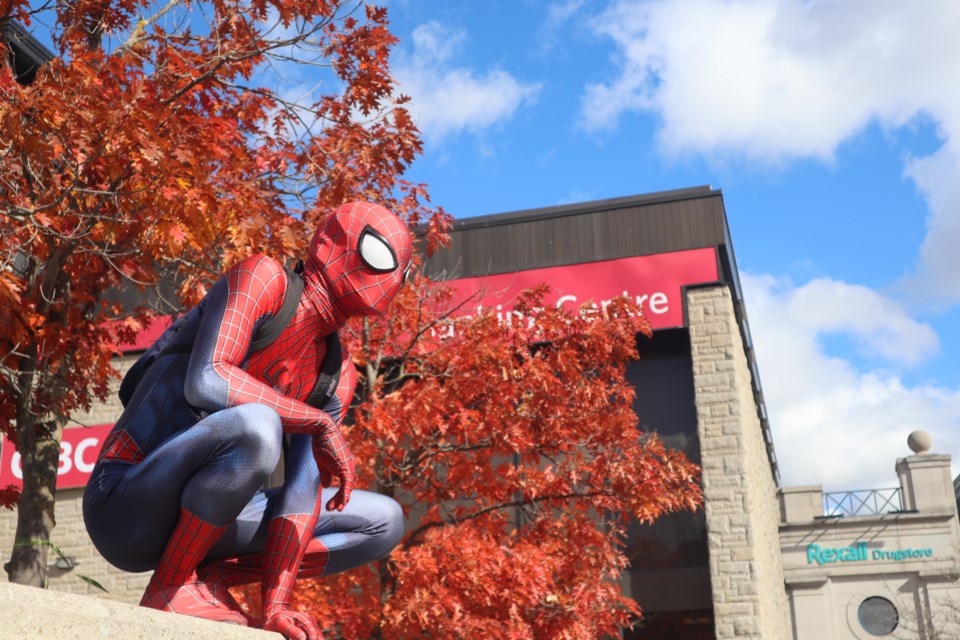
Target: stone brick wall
[
  {"x": 71, "y": 536},
  {"x": 742, "y": 511}
]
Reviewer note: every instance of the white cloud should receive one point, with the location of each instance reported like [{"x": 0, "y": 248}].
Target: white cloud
[
  {"x": 558, "y": 15},
  {"x": 775, "y": 80},
  {"x": 833, "y": 424},
  {"x": 938, "y": 177},
  {"x": 448, "y": 99}
]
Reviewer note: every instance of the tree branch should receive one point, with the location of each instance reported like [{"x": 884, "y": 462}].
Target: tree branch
[
  {"x": 139, "y": 32},
  {"x": 419, "y": 531}
]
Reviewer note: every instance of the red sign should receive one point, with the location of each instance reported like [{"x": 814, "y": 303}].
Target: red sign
[
  {"x": 78, "y": 453},
  {"x": 655, "y": 282},
  {"x": 153, "y": 329}
]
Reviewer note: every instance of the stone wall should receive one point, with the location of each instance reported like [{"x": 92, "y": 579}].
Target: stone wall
[
  {"x": 27, "y": 613},
  {"x": 742, "y": 511}
]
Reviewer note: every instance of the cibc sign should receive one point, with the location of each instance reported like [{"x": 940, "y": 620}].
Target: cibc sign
[{"x": 79, "y": 449}]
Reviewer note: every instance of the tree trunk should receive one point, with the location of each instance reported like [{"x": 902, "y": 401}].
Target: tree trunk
[
  {"x": 38, "y": 433},
  {"x": 39, "y": 446}
]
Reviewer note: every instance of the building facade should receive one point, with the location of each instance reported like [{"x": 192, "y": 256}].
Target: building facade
[
  {"x": 757, "y": 560},
  {"x": 712, "y": 574},
  {"x": 25, "y": 54},
  {"x": 881, "y": 563}
]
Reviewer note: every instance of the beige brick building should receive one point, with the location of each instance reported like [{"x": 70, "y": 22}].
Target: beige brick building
[
  {"x": 739, "y": 490},
  {"x": 881, "y": 563}
]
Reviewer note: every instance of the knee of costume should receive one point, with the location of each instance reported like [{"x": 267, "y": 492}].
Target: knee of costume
[
  {"x": 393, "y": 521},
  {"x": 248, "y": 448},
  {"x": 256, "y": 428}
]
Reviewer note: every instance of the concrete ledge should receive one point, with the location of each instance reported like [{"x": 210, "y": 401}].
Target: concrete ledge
[{"x": 29, "y": 613}]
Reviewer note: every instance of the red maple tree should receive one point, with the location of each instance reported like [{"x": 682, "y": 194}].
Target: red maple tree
[
  {"x": 158, "y": 146},
  {"x": 516, "y": 454}
]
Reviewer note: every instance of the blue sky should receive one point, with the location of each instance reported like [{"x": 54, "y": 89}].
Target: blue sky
[{"x": 832, "y": 128}]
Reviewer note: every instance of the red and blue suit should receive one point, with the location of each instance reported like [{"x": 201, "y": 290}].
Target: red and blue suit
[{"x": 178, "y": 487}]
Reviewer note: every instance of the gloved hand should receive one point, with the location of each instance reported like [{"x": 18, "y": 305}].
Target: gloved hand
[
  {"x": 293, "y": 625},
  {"x": 334, "y": 458}
]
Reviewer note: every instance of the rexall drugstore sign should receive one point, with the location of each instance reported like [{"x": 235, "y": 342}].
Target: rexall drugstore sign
[
  {"x": 858, "y": 552},
  {"x": 79, "y": 449}
]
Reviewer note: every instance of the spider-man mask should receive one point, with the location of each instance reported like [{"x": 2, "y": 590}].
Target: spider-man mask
[{"x": 363, "y": 254}]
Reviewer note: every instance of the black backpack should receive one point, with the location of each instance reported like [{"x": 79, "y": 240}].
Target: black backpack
[{"x": 266, "y": 334}]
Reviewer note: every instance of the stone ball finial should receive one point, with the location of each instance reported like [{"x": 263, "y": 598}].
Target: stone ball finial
[{"x": 919, "y": 442}]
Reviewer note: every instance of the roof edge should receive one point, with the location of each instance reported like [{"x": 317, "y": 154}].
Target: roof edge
[
  {"x": 23, "y": 42},
  {"x": 558, "y": 211}
]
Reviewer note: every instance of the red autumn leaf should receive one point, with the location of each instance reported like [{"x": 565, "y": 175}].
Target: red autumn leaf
[{"x": 9, "y": 496}]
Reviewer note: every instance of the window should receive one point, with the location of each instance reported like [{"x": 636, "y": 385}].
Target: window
[{"x": 878, "y": 616}]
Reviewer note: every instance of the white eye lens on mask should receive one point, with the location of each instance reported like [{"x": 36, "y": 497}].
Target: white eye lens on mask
[{"x": 376, "y": 252}]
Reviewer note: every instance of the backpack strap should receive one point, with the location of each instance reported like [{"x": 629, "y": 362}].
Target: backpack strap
[
  {"x": 329, "y": 376},
  {"x": 274, "y": 325},
  {"x": 270, "y": 330}
]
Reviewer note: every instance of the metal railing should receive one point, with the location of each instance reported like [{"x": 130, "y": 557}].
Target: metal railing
[{"x": 873, "y": 502}]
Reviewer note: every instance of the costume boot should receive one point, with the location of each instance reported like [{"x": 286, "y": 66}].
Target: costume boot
[{"x": 175, "y": 586}]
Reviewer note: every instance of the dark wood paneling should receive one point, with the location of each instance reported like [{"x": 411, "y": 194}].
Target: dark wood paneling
[{"x": 603, "y": 230}]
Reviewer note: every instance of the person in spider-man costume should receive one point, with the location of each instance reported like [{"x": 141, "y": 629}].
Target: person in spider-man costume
[{"x": 178, "y": 485}]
